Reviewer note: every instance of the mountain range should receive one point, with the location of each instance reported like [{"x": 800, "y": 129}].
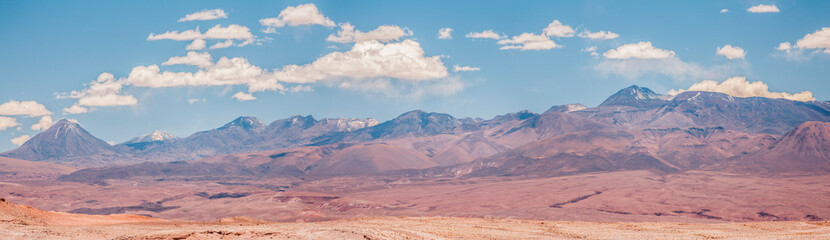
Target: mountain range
[{"x": 634, "y": 129}]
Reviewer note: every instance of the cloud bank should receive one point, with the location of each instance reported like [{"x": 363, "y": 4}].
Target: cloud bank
[{"x": 740, "y": 87}]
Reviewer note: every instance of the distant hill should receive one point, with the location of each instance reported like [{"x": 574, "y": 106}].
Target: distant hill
[{"x": 64, "y": 141}]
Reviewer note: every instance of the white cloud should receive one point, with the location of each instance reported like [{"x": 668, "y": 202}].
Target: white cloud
[
  {"x": 784, "y": 46},
  {"x": 186, "y": 35},
  {"x": 225, "y": 44},
  {"x": 528, "y": 41},
  {"x": 724, "y": 10},
  {"x": 226, "y": 71},
  {"x": 403, "y": 64},
  {"x": 457, "y": 68},
  {"x": 806, "y": 47},
  {"x": 103, "y": 92},
  {"x": 20, "y": 140},
  {"x": 820, "y": 39},
  {"x": 591, "y": 50},
  {"x": 305, "y": 14},
  {"x": 370, "y": 59},
  {"x": 731, "y": 52},
  {"x": 197, "y": 44},
  {"x": 195, "y": 100},
  {"x": 602, "y": 35},
  {"x": 7, "y": 122},
  {"x": 75, "y": 109},
  {"x": 192, "y": 58},
  {"x": 740, "y": 87},
  {"x": 445, "y": 33},
  {"x": 270, "y": 30},
  {"x": 383, "y": 33},
  {"x": 640, "y": 50},
  {"x": 557, "y": 29},
  {"x": 204, "y": 15},
  {"x": 485, "y": 34},
  {"x": 761, "y": 8},
  {"x": 240, "y": 96},
  {"x": 44, "y": 123},
  {"x": 232, "y": 31},
  {"x": 24, "y": 108}
]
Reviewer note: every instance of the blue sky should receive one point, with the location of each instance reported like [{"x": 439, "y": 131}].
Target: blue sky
[{"x": 51, "y": 48}]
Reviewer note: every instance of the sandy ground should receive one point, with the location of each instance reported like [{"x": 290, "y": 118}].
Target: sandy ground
[{"x": 424, "y": 228}]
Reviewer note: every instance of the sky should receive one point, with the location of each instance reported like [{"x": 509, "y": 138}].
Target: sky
[{"x": 127, "y": 68}]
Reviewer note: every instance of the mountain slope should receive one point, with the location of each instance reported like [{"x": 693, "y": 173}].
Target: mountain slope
[
  {"x": 64, "y": 141},
  {"x": 637, "y": 109},
  {"x": 804, "y": 149}
]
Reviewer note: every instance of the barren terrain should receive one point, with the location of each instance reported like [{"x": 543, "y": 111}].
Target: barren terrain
[{"x": 21, "y": 222}]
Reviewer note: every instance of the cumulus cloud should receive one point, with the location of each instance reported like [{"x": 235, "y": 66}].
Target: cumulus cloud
[
  {"x": 20, "y": 140},
  {"x": 398, "y": 69},
  {"x": 232, "y": 31},
  {"x": 761, "y": 8},
  {"x": 784, "y": 46},
  {"x": 557, "y": 29},
  {"x": 192, "y": 58},
  {"x": 8, "y": 122},
  {"x": 195, "y": 100},
  {"x": 820, "y": 39},
  {"x": 240, "y": 96},
  {"x": 224, "y": 72},
  {"x": 44, "y": 123},
  {"x": 528, "y": 41},
  {"x": 370, "y": 59},
  {"x": 304, "y": 14},
  {"x": 23, "y": 108},
  {"x": 731, "y": 52},
  {"x": 740, "y": 87},
  {"x": 457, "y": 68},
  {"x": 813, "y": 43},
  {"x": 640, "y": 50},
  {"x": 103, "y": 92},
  {"x": 724, "y": 10},
  {"x": 485, "y": 34},
  {"x": 205, "y": 15},
  {"x": 383, "y": 33},
  {"x": 445, "y": 33},
  {"x": 601, "y": 35},
  {"x": 401, "y": 64},
  {"x": 197, "y": 44},
  {"x": 75, "y": 109}
]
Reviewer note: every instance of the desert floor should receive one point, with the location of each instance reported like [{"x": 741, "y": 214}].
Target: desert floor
[{"x": 422, "y": 228}]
